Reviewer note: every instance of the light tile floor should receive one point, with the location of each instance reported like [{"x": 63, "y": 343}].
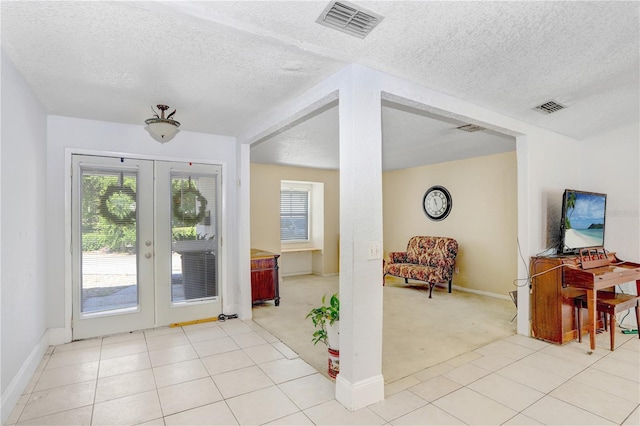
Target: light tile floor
[{"x": 235, "y": 372}]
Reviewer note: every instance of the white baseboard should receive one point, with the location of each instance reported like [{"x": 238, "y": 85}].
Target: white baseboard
[
  {"x": 234, "y": 309},
  {"x": 480, "y": 292},
  {"x": 300, "y": 274},
  {"x": 296, "y": 273},
  {"x": 354, "y": 396},
  {"x": 19, "y": 383},
  {"x": 59, "y": 335}
]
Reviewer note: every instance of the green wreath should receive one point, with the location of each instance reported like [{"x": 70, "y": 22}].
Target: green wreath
[
  {"x": 189, "y": 218},
  {"x": 129, "y": 217}
]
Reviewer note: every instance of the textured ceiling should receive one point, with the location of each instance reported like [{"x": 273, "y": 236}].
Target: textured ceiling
[{"x": 223, "y": 64}]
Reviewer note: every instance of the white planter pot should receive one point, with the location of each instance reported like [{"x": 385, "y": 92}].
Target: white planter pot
[{"x": 333, "y": 335}]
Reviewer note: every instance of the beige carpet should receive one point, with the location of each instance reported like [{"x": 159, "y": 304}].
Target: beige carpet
[{"x": 418, "y": 332}]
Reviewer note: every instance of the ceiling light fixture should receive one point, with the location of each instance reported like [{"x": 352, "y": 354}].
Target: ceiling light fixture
[{"x": 160, "y": 128}]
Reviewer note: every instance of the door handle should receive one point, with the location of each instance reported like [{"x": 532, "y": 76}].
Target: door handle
[
  {"x": 147, "y": 243},
  {"x": 148, "y": 255}
]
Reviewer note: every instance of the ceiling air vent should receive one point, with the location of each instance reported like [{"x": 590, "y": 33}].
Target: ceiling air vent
[
  {"x": 550, "y": 107},
  {"x": 470, "y": 128},
  {"x": 348, "y": 18}
]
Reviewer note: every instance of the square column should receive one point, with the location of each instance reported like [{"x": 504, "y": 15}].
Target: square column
[{"x": 360, "y": 382}]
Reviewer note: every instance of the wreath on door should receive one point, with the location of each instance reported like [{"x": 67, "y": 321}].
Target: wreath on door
[
  {"x": 184, "y": 205},
  {"x": 118, "y": 205}
]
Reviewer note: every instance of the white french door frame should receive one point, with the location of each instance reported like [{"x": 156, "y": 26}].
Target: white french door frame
[
  {"x": 116, "y": 319},
  {"x": 64, "y": 334},
  {"x": 168, "y": 312}
]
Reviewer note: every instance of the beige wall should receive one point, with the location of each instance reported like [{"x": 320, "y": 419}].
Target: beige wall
[
  {"x": 483, "y": 218},
  {"x": 265, "y": 210}
]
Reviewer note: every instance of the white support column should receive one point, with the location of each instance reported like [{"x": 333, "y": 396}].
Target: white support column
[
  {"x": 523, "y": 309},
  {"x": 244, "y": 233},
  {"x": 360, "y": 381}
]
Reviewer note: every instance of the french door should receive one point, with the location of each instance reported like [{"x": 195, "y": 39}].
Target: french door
[{"x": 145, "y": 238}]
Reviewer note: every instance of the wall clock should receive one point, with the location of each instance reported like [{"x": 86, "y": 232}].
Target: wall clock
[{"x": 437, "y": 202}]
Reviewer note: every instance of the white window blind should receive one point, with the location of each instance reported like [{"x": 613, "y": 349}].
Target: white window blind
[{"x": 294, "y": 215}]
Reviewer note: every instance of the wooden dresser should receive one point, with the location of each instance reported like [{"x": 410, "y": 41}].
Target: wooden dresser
[{"x": 264, "y": 276}]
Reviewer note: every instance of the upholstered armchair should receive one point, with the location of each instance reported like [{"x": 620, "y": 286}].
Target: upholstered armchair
[{"x": 427, "y": 259}]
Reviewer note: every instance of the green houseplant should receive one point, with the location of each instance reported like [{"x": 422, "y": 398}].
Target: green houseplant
[
  {"x": 323, "y": 318},
  {"x": 326, "y": 319}
]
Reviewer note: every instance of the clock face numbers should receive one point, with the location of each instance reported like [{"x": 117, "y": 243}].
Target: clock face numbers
[{"x": 437, "y": 203}]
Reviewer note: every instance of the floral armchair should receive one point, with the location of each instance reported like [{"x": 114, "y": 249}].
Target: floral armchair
[{"x": 427, "y": 259}]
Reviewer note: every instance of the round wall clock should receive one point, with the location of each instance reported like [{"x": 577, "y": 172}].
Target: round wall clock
[{"x": 437, "y": 202}]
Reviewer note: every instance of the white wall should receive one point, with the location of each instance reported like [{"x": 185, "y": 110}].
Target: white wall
[
  {"x": 23, "y": 213},
  {"x": 67, "y": 135},
  {"x": 611, "y": 166},
  {"x": 295, "y": 263}
]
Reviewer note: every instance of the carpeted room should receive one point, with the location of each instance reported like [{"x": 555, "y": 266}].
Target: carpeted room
[{"x": 417, "y": 331}]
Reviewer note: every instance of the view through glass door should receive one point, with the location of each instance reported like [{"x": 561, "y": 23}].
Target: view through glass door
[
  {"x": 188, "y": 263},
  {"x": 145, "y": 243}
]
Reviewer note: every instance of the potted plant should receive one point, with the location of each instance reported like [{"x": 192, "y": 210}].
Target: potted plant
[{"x": 326, "y": 319}]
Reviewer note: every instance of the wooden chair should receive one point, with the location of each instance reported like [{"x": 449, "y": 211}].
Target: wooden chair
[{"x": 610, "y": 304}]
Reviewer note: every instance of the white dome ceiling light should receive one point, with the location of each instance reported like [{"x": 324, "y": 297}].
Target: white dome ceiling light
[{"x": 160, "y": 128}]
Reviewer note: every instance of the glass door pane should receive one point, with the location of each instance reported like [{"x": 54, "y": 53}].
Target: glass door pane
[
  {"x": 112, "y": 240},
  {"x": 188, "y": 203},
  {"x": 193, "y": 243},
  {"x": 109, "y": 279}
]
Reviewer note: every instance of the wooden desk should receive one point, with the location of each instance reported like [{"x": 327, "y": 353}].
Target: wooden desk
[
  {"x": 592, "y": 280},
  {"x": 264, "y": 276}
]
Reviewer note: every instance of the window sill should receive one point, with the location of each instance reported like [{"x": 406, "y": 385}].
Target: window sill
[{"x": 296, "y": 249}]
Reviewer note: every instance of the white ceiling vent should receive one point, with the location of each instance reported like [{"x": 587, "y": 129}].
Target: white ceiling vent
[
  {"x": 549, "y": 107},
  {"x": 349, "y": 18},
  {"x": 470, "y": 128}
]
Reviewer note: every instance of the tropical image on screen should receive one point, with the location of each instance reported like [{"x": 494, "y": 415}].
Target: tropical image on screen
[{"x": 583, "y": 220}]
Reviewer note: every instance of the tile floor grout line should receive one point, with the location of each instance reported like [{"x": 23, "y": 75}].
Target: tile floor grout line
[
  {"x": 565, "y": 381},
  {"x": 605, "y": 355},
  {"x": 95, "y": 391},
  {"x": 155, "y": 382},
  {"x": 226, "y": 403},
  {"x": 571, "y": 378},
  {"x": 496, "y": 372}
]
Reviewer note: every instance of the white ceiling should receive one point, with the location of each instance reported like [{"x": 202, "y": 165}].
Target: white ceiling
[{"x": 223, "y": 64}]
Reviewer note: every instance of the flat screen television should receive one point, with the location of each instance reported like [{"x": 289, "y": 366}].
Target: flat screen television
[{"x": 583, "y": 220}]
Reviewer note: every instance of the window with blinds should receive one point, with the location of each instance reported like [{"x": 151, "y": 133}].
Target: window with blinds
[{"x": 294, "y": 215}]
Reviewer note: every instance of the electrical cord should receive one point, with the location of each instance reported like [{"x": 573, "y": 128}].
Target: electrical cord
[
  {"x": 527, "y": 280},
  {"x": 544, "y": 252},
  {"x": 619, "y": 323}
]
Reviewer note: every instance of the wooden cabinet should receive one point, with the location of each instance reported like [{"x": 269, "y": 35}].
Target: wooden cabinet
[
  {"x": 552, "y": 307},
  {"x": 264, "y": 276}
]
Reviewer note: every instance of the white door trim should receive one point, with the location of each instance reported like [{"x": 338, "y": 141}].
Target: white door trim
[{"x": 63, "y": 333}]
